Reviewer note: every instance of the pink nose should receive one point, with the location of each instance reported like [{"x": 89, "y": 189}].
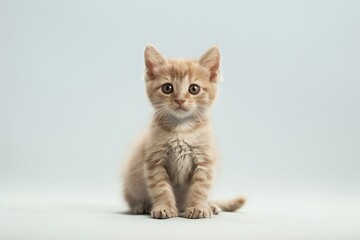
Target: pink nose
[{"x": 179, "y": 101}]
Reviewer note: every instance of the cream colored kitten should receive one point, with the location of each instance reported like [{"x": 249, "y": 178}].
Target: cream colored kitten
[{"x": 171, "y": 169}]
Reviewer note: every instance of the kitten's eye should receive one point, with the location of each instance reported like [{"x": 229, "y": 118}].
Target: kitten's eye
[
  {"x": 167, "y": 88},
  {"x": 194, "y": 89}
]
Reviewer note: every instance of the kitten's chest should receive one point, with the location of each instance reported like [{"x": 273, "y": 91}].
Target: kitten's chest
[{"x": 180, "y": 161}]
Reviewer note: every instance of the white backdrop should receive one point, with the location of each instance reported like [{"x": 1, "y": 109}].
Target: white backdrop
[{"x": 72, "y": 98}]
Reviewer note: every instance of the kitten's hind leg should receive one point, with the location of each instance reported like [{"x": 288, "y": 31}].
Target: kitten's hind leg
[
  {"x": 141, "y": 208},
  {"x": 138, "y": 204},
  {"x": 215, "y": 209},
  {"x": 134, "y": 183}
]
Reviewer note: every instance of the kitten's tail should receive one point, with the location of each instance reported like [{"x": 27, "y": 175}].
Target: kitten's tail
[{"x": 230, "y": 205}]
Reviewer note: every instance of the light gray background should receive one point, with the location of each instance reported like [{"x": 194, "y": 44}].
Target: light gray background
[{"x": 287, "y": 119}]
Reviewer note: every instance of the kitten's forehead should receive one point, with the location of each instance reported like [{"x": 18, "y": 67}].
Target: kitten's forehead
[{"x": 178, "y": 69}]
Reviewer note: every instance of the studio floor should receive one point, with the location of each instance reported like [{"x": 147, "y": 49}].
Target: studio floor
[{"x": 44, "y": 217}]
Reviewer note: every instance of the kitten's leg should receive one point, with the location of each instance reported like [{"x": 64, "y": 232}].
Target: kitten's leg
[
  {"x": 197, "y": 203},
  {"x": 215, "y": 208},
  {"x": 135, "y": 189},
  {"x": 139, "y": 204},
  {"x": 160, "y": 189}
]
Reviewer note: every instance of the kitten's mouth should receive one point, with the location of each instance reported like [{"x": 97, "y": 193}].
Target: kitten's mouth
[{"x": 181, "y": 108}]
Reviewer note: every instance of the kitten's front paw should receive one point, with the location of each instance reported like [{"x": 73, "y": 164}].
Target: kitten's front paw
[
  {"x": 198, "y": 212},
  {"x": 163, "y": 211}
]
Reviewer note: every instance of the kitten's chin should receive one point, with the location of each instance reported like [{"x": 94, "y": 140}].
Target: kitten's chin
[{"x": 180, "y": 113}]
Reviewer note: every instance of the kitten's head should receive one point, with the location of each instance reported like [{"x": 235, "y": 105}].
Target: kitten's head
[{"x": 181, "y": 88}]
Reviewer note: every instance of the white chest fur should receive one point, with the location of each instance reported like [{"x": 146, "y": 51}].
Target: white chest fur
[{"x": 180, "y": 162}]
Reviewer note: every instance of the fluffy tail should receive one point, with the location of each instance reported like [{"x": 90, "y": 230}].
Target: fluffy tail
[{"x": 230, "y": 205}]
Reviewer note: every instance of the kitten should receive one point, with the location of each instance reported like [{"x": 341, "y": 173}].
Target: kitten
[{"x": 172, "y": 167}]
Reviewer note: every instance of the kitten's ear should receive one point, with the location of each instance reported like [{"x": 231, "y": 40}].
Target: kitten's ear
[
  {"x": 211, "y": 60},
  {"x": 153, "y": 59}
]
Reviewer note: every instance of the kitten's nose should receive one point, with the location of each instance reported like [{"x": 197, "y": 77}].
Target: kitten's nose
[{"x": 180, "y": 101}]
